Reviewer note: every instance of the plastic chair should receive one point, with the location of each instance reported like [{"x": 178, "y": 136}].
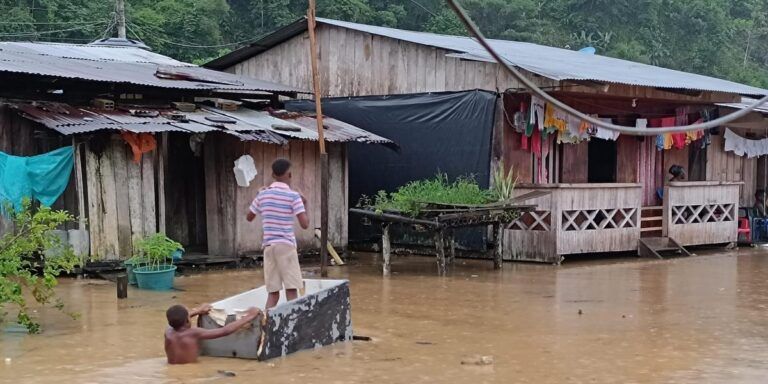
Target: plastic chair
[{"x": 745, "y": 230}]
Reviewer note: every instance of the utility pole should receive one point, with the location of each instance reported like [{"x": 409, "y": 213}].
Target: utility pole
[
  {"x": 120, "y": 16},
  {"x": 321, "y": 140}
]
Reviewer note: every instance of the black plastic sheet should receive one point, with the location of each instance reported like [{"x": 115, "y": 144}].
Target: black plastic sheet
[{"x": 447, "y": 132}]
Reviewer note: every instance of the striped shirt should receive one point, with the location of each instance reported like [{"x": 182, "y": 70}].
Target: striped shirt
[{"x": 278, "y": 205}]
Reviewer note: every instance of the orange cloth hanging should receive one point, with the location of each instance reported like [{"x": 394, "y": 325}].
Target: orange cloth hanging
[{"x": 140, "y": 143}]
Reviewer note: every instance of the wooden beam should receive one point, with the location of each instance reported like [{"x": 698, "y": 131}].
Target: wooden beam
[{"x": 320, "y": 138}]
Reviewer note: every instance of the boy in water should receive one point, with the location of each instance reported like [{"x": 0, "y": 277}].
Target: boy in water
[
  {"x": 182, "y": 342},
  {"x": 278, "y": 204}
]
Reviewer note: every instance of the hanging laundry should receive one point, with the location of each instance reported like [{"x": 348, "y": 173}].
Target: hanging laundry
[
  {"x": 678, "y": 140},
  {"x": 606, "y": 134},
  {"x": 524, "y": 142},
  {"x": 42, "y": 177},
  {"x": 536, "y": 143},
  {"x": 641, "y": 123},
  {"x": 572, "y": 134},
  {"x": 555, "y": 119},
  {"x": 536, "y": 118},
  {"x": 140, "y": 143}
]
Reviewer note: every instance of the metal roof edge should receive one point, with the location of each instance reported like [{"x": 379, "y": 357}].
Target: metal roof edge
[{"x": 260, "y": 45}]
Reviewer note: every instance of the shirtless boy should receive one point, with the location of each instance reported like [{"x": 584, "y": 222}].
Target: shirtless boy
[{"x": 182, "y": 341}]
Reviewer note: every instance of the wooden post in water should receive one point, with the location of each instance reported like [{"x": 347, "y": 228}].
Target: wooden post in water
[
  {"x": 321, "y": 141},
  {"x": 386, "y": 250},
  {"x": 498, "y": 232},
  {"x": 122, "y": 286},
  {"x": 440, "y": 247}
]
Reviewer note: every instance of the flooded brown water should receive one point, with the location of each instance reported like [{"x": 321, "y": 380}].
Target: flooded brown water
[{"x": 694, "y": 320}]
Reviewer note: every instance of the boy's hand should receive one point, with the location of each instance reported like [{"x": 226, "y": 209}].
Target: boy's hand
[{"x": 203, "y": 309}]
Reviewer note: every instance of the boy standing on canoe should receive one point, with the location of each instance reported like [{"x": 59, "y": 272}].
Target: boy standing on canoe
[{"x": 277, "y": 205}]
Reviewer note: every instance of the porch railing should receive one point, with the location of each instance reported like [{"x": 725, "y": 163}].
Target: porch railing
[
  {"x": 576, "y": 218},
  {"x": 701, "y": 212}
]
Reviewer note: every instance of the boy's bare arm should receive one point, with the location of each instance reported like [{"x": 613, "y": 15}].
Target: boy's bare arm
[{"x": 206, "y": 334}]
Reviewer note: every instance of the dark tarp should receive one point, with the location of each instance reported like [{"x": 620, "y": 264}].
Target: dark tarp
[{"x": 437, "y": 132}]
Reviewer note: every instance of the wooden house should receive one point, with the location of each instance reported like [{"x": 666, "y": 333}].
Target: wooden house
[
  {"x": 606, "y": 194},
  {"x": 98, "y": 97}
]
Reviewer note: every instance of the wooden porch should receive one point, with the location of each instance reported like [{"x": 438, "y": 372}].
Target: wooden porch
[{"x": 605, "y": 218}]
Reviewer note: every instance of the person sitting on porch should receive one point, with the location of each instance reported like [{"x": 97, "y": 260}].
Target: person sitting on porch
[
  {"x": 182, "y": 341},
  {"x": 678, "y": 174},
  {"x": 760, "y": 203}
]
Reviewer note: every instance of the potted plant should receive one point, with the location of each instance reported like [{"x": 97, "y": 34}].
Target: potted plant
[
  {"x": 131, "y": 264},
  {"x": 157, "y": 269}
]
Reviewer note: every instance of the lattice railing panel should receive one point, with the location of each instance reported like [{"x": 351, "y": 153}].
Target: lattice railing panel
[
  {"x": 705, "y": 213},
  {"x": 599, "y": 219},
  {"x": 533, "y": 221}
]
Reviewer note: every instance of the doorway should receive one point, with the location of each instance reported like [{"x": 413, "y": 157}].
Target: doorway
[
  {"x": 602, "y": 161},
  {"x": 185, "y": 194}
]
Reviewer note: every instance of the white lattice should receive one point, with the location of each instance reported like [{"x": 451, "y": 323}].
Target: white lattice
[
  {"x": 532, "y": 221},
  {"x": 705, "y": 213},
  {"x": 593, "y": 219}
]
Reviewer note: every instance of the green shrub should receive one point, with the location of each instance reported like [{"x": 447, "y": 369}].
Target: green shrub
[{"x": 24, "y": 268}]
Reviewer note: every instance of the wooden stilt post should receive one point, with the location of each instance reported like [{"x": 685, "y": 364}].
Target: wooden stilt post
[
  {"x": 321, "y": 140},
  {"x": 452, "y": 247},
  {"x": 440, "y": 247},
  {"x": 122, "y": 286},
  {"x": 386, "y": 250},
  {"x": 498, "y": 232}
]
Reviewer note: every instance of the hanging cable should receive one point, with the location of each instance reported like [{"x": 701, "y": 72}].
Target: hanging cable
[
  {"x": 475, "y": 32},
  {"x": 187, "y": 45},
  {"x": 27, "y": 34}
]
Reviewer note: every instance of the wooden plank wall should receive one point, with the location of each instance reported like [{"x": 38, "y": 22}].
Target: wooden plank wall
[
  {"x": 726, "y": 166},
  {"x": 229, "y": 234},
  {"x": 575, "y": 163},
  {"x": 21, "y": 137},
  {"x": 121, "y": 196},
  {"x": 354, "y": 63}
]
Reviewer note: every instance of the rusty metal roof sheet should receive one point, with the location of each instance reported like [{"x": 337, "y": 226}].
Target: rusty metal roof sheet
[
  {"x": 123, "y": 65},
  {"x": 247, "y": 124},
  {"x": 304, "y": 126}
]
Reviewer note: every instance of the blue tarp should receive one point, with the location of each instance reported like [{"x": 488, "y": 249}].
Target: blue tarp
[{"x": 42, "y": 177}]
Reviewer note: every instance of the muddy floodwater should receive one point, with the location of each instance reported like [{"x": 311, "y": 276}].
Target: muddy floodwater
[{"x": 696, "y": 320}]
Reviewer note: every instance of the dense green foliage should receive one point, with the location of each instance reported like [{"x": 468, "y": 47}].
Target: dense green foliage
[
  {"x": 723, "y": 38},
  {"x": 25, "y": 270},
  {"x": 410, "y": 198}
]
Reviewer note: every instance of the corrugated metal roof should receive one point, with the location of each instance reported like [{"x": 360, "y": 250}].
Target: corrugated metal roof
[
  {"x": 554, "y": 63},
  {"x": 746, "y": 102},
  {"x": 304, "y": 127},
  {"x": 123, "y": 65},
  {"x": 247, "y": 124}
]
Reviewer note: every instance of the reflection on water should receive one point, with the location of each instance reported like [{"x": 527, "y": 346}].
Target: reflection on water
[{"x": 694, "y": 320}]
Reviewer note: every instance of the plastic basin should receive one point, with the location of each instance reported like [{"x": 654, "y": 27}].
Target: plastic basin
[
  {"x": 129, "y": 270},
  {"x": 154, "y": 278}
]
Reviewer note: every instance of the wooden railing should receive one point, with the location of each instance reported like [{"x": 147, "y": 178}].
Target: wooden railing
[
  {"x": 701, "y": 212},
  {"x": 576, "y": 218}
]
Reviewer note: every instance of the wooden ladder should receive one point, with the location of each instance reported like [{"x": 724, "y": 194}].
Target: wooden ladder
[{"x": 657, "y": 246}]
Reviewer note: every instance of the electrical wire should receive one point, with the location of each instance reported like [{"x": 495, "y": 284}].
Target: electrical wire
[
  {"x": 45, "y": 22},
  {"x": 475, "y": 32},
  {"x": 187, "y": 45},
  {"x": 33, "y": 33},
  {"x": 423, "y": 7}
]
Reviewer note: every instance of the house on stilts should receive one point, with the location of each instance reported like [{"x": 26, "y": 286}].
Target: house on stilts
[{"x": 609, "y": 193}]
